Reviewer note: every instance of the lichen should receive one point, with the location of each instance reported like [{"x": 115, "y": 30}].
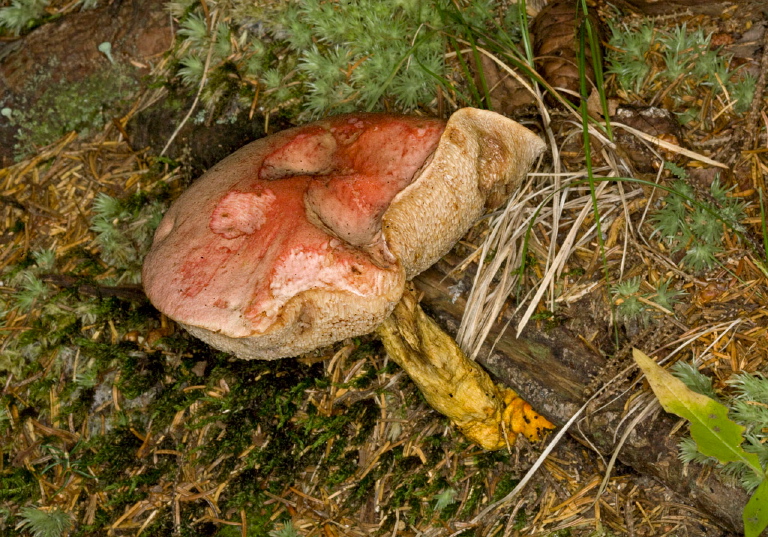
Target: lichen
[{"x": 84, "y": 106}]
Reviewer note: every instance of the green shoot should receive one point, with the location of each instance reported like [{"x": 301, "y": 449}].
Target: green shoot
[
  {"x": 286, "y": 531},
  {"x": 445, "y": 498},
  {"x": 22, "y": 14},
  {"x": 44, "y": 523},
  {"x": 593, "y": 40}
]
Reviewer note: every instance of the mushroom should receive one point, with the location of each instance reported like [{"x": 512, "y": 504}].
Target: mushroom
[{"x": 309, "y": 236}]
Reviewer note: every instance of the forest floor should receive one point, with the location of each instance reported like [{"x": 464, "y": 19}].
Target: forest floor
[{"x": 114, "y": 421}]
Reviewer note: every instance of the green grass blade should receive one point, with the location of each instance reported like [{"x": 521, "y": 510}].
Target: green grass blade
[
  {"x": 470, "y": 80},
  {"x": 480, "y": 72},
  {"x": 525, "y": 34},
  {"x": 584, "y": 89},
  {"x": 597, "y": 65},
  {"x": 450, "y": 88}
]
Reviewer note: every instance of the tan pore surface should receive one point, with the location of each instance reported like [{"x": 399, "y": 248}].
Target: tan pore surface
[{"x": 481, "y": 159}]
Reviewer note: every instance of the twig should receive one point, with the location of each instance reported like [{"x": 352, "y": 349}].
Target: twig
[
  {"x": 203, "y": 80},
  {"x": 751, "y": 137},
  {"x": 126, "y": 292}
]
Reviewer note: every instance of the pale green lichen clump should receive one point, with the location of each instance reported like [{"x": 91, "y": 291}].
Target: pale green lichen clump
[{"x": 83, "y": 106}]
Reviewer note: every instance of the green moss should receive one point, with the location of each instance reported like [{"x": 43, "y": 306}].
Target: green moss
[
  {"x": 17, "y": 484},
  {"x": 505, "y": 485},
  {"x": 116, "y": 451},
  {"x": 476, "y": 493},
  {"x": 139, "y": 373},
  {"x": 84, "y": 106}
]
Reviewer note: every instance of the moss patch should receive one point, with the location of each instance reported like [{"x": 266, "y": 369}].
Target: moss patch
[{"x": 84, "y": 106}]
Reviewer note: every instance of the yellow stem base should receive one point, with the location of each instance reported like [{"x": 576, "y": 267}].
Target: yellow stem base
[{"x": 490, "y": 415}]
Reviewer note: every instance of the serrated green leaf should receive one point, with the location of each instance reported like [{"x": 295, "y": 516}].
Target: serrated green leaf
[
  {"x": 715, "y": 434},
  {"x": 756, "y": 512}
]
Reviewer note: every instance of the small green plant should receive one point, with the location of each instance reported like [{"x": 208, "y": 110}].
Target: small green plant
[
  {"x": 286, "y": 531},
  {"x": 32, "y": 290},
  {"x": 43, "y": 522},
  {"x": 445, "y": 498},
  {"x": 747, "y": 404},
  {"x": 124, "y": 231},
  {"x": 679, "y": 62},
  {"x": 688, "y": 222},
  {"x": 665, "y": 296},
  {"x": 56, "y": 312},
  {"x": 315, "y": 58},
  {"x": 67, "y": 462},
  {"x": 634, "y": 304},
  {"x": 22, "y": 14},
  {"x": 694, "y": 379},
  {"x": 630, "y": 306},
  {"x": 716, "y": 438}
]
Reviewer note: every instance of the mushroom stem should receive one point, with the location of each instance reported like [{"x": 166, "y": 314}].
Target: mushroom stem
[{"x": 486, "y": 413}]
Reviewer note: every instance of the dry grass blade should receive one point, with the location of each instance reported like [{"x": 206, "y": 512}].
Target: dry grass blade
[
  {"x": 558, "y": 262},
  {"x": 498, "y": 254},
  {"x": 670, "y": 146}
]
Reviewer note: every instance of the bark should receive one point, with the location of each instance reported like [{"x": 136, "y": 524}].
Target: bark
[{"x": 552, "y": 369}]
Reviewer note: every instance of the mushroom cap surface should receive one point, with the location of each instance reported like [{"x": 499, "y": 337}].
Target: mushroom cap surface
[{"x": 307, "y": 236}]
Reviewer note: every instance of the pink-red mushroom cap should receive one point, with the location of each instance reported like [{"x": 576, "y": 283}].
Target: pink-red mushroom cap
[{"x": 307, "y": 237}]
